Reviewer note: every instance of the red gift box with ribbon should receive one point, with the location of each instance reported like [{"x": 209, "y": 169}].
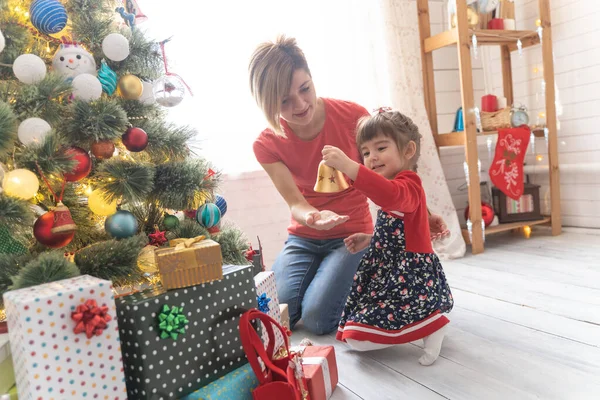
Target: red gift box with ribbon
[{"x": 320, "y": 369}]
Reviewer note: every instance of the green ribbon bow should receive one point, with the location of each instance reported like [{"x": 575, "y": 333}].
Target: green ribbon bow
[{"x": 172, "y": 322}]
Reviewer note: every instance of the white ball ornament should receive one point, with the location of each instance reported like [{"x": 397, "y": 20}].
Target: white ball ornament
[
  {"x": 29, "y": 68},
  {"x": 115, "y": 47},
  {"x": 86, "y": 87},
  {"x": 33, "y": 131}
]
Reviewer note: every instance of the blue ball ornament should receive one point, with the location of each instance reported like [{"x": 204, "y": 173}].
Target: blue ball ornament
[
  {"x": 121, "y": 225},
  {"x": 222, "y": 204},
  {"x": 208, "y": 215},
  {"x": 48, "y": 16}
]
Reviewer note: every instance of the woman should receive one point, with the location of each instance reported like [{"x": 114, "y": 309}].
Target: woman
[{"x": 314, "y": 271}]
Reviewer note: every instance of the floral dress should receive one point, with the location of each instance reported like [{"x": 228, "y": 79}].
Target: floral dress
[{"x": 397, "y": 296}]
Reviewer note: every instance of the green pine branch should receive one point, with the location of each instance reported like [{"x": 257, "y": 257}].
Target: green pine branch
[
  {"x": 98, "y": 120},
  {"x": 15, "y": 216},
  {"x": 47, "y": 267},
  {"x": 145, "y": 58},
  {"x": 167, "y": 141},
  {"x": 114, "y": 260},
  {"x": 183, "y": 185},
  {"x": 49, "y": 155},
  {"x": 10, "y": 265},
  {"x": 131, "y": 180},
  {"x": 18, "y": 39},
  {"x": 233, "y": 244},
  {"x": 8, "y": 129},
  {"x": 188, "y": 229}
]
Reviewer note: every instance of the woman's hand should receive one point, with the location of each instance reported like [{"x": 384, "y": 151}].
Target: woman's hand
[
  {"x": 324, "y": 220},
  {"x": 357, "y": 242},
  {"x": 437, "y": 227},
  {"x": 336, "y": 158}
]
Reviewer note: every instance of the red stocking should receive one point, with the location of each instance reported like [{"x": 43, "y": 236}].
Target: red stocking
[{"x": 506, "y": 171}]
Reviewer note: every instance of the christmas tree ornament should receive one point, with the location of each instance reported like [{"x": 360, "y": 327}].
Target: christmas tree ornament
[
  {"x": 2, "y": 42},
  {"x": 29, "y": 68},
  {"x": 191, "y": 214},
  {"x": 487, "y": 213},
  {"x": 168, "y": 91},
  {"x": 108, "y": 78},
  {"x": 42, "y": 230},
  {"x": 115, "y": 47},
  {"x": 21, "y": 183},
  {"x": 121, "y": 225},
  {"x": 132, "y": 7},
  {"x": 48, "y": 16},
  {"x": 33, "y": 131},
  {"x": 170, "y": 222},
  {"x": 63, "y": 221},
  {"x": 86, "y": 87},
  {"x": 179, "y": 214},
  {"x": 157, "y": 238},
  {"x": 83, "y": 166},
  {"x": 221, "y": 203},
  {"x": 71, "y": 60},
  {"x": 147, "y": 94},
  {"x": 99, "y": 205},
  {"x": 208, "y": 215},
  {"x": 135, "y": 139},
  {"x": 506, "y": 171},
  {"x": 330, "y": 180},
  {"x": 130, "y": 87},
  {"x": 103, "y": 150},
  {"x": 128, "y": 18}
]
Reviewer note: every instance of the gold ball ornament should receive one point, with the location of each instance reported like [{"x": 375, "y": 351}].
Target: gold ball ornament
[
  {"x": 21, "y": 183},
  {"x": 99, "y": 205},
  {"x": 130, "y": 87}
]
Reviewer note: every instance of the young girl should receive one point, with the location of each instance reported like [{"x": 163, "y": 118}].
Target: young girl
[{"x": 400, "y": 290}]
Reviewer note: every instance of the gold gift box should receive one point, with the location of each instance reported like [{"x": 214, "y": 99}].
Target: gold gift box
[{"x": 189, "y": 262}]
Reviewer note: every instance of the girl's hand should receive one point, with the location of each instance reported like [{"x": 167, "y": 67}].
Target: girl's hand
[
  {"x": 324, "y": 220},
  {"x": 357, "y": 242},
  {"x": 337, "y": 159},
  {"x": 437, "y": 227}
]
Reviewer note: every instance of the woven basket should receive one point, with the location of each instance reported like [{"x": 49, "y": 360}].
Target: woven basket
[{"x": 492, "y": 121}]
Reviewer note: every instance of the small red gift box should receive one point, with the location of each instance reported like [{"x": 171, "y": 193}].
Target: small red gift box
[{"x": 320, "y": 370}]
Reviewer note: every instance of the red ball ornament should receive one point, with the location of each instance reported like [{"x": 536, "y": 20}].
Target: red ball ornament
[
  {"x": 42, "y": 232},
  {"x": 83, "y": 166},
  {"x": 103, "y": 150},
  {"x": 487, "y": 213},
  {"x": 135, "y": 139}
]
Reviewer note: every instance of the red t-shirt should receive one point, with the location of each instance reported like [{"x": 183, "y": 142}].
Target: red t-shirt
[
  {"x": 302, "y": 157},
  {"x": 403, "y": 197}
]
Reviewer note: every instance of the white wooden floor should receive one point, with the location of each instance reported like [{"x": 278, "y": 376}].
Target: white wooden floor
[{"x": 526, "y": 325}]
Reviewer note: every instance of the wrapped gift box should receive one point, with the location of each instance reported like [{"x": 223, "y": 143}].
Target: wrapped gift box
[
  {"x": 7, "y": 374},
  {"x": 59, "y": 351},
  {"x": 10, "y": 394},
  {"x": 285, "y": 315},
  {"x": 189, "y": 262},
  {"x": 236, "y": 385},
  {"x": 268, "y": 302},
  {"x": 320, "y": 369},
  {"x": 169, "y": 365}
]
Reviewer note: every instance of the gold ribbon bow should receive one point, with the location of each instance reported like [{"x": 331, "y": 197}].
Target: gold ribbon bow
[{"x": 185, "y": 243}]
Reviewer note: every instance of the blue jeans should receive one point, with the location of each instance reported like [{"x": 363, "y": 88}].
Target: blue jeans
[{"x": 314, "y": 278}]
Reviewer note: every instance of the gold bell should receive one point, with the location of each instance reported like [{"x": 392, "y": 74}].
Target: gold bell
[{"x": 330, "y": 180}]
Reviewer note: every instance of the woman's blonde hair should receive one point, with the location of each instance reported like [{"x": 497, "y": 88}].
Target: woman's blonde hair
[
  {"x": 394, "y": 125},
  {"x": 271, "y": 70}
]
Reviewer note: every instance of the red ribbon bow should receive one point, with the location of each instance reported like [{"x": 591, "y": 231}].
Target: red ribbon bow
[
  {"x": 90, "y": 318},
  {"x": 382, "y": 110},
  {"x": 250, "y": 254}
]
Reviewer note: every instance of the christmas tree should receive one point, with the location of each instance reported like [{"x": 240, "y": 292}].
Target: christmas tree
[{"x": 91, "y": 172}]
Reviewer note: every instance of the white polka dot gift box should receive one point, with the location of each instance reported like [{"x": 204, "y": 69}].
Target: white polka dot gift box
[
  {"x": 64, "y": 340},
  {"x": 177, "y": 341},
  {"x": 268, "y": 302}
]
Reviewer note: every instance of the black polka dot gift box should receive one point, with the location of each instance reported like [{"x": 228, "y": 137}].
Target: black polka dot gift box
[{"x": 177, "y": 341}]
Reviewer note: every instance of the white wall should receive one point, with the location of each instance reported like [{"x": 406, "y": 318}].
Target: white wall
[{"x": 576, "y": 39}]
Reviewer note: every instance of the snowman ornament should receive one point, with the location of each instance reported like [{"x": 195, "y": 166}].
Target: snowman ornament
[{"x": 71, "y": 60}]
